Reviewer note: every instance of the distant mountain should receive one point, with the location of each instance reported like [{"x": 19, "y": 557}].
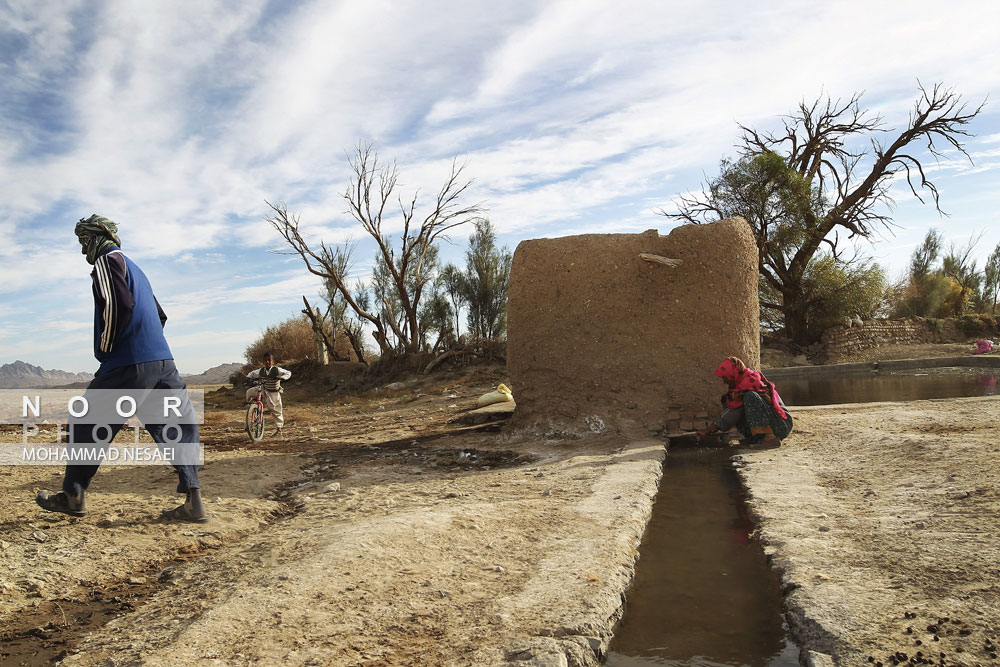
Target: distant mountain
[
  {"x": 23, "y": 375},
  {"x": 19, "y": 375},
  {"x": 215, "y": 375}
]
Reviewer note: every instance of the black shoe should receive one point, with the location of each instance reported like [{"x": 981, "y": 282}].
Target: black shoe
[
  {"x": 61, "y": 502},
  {"x": 192, "y": 511}
]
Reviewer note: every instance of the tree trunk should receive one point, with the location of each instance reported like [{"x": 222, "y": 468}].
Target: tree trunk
[
  {"x": 796, "y": 308},
  {"x": 321, "y": 337},
  {"x": 359, "y": 351}
]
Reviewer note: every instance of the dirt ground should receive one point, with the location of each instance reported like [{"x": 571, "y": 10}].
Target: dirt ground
[
  {"x": 882, "y": 522},
  {"x": 379, "y": 532},
  {"x": 374, "y": 532}
]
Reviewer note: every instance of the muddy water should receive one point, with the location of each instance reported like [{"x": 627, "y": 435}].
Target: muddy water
[
  {"x": 703, "y": 595},
  {"x": 908, "y": 386}
]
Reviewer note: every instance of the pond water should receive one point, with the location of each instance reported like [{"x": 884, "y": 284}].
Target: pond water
[
  {"x": 703, "y": 595},
  {"x": 948, "y": 382}
]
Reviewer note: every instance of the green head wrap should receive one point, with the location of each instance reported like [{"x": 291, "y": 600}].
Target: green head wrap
[{"x": 96, "y": 234}]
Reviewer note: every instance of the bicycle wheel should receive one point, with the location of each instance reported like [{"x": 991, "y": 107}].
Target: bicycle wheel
[{"x": 255, "y": 423}]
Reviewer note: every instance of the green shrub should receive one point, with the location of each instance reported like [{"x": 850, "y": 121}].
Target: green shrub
[{"x": 975, "y": 326}]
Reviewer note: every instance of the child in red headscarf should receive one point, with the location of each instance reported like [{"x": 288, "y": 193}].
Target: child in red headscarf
[{"x": 752, "y": 405}]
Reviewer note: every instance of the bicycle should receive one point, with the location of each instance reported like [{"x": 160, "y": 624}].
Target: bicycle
[{"x": 255, "y": 414}]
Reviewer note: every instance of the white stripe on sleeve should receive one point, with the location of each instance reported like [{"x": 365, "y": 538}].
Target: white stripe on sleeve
[{"x": 107, "y": 293}]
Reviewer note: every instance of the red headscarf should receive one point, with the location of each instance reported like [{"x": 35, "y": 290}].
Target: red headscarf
[{"x": 741, "y": 379}]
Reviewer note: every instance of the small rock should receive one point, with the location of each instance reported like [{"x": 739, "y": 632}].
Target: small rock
[
  {"x": 824, "y": 529},
  {"x": 137, "y": 580},
  {"x": 332, "y": 487},
  {"x": 547, "y": 492},
  {"x": 957, "y": 495},
  {"x": 188, "y": 533},
  {"x": 39, "y": 536}
]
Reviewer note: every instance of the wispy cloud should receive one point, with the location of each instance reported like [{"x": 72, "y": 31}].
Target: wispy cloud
[{"x": 179, "y": 120}]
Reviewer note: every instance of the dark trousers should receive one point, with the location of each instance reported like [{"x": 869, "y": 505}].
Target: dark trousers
[
  {"x": 149, "y": 375},
  {"x": 755, "y": 419}
]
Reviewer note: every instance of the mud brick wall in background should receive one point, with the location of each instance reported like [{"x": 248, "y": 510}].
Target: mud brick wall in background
[
  {"x": 598, "y": 338},
  {"x": 880, "y": 332}
]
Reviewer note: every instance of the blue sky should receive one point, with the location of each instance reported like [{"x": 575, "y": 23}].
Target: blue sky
[{"x": 178, "y": 119}]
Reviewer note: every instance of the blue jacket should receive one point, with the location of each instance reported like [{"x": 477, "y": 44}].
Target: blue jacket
[{"x": 128, "y": 320}]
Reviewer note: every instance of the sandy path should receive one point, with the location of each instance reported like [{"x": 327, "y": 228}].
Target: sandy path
[{"x": 467, "y": 569}]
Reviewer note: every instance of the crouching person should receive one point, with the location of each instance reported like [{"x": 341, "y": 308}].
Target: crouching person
[{"x": 752, "y": 405}]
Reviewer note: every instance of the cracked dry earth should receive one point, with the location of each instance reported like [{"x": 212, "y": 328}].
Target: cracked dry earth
[{"x": 374, "y": 532}]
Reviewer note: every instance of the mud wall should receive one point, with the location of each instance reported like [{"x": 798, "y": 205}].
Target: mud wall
[
  {"x": 911, "y": 330},
  {"x": 874, "y": 333},
  {"x": 598, "y": 338}
]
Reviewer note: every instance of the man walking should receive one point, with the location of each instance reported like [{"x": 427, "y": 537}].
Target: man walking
[
  {"x": 272, "y": 376},
  {"x": 129, "y": 344}
]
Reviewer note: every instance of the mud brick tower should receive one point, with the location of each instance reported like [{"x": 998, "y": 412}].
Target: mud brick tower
[{"x": 623, "y": 331}]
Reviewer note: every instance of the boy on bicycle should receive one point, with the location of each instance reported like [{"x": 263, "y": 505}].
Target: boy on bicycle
[{"x": 272, "y": 376}]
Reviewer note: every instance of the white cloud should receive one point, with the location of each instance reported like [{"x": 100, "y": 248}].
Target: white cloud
[{"x": 178, "y": 120}]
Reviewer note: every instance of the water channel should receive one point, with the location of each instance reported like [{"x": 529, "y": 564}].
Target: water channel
[{"x": 703, "y": 595}]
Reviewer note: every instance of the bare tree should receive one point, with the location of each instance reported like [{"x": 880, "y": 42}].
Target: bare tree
[
  {"x": 324, "y": 346},
  {"x": 803, "y": 186},
  {"x": 338, "y": 313},
  {"x": 322, "y": 264},
  {"x": 369, "y": 196}
]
